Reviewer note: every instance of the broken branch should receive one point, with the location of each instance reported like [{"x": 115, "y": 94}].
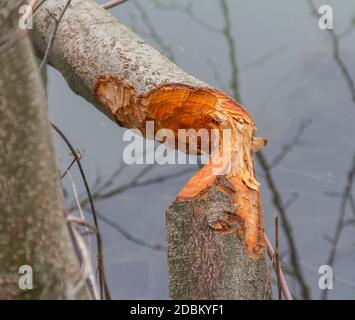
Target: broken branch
[{"x": 133, "y": 84}]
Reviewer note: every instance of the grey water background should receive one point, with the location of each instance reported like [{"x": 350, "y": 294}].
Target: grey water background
[{"x": 287, "y": 75}]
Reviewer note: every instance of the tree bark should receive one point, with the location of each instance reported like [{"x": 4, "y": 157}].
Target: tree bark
[
  {"x": 215, "y": 226},
  {"x": 33, "y": 229},
  {"x": 205, "y": 263}
]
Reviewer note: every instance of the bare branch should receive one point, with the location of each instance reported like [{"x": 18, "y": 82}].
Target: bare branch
[
  {"x": 267, "y": 280},
  {"x": 287, "y": 148},
  {"x": 113, "y": 3},
  {"x": 104, "y": 192},
  {"x": 340, "y": 221},
  {"x": 277, "y": 257},
  {"x": 51, "y": 40},
  {"x": 263, "y": 59},
  {"x": 336, "y": 54},
  {"x": 153, "y": 33},
  {"x": 188, "y": 10},
  {"x": 70, "y": 165},
  {"x": 129, "y": 236},
  {"x": 283, "y": 283},
  {"x": 281, "y": 210},
  {"x": 100, "y": 258},
  {"x": 38, "y": 6}
]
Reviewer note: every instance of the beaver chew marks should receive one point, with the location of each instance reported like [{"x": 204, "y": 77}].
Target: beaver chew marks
[{"x": 178, "y": 106}]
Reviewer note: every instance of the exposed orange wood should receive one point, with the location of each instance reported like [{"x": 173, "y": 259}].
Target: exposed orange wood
[
  {"x": 246, "y": 221},
  {"x": 199, "y": 183},
  {"x": 176, "y": 106}
]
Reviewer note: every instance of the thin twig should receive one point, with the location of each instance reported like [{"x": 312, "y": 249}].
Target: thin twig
[
  {"x": 153, "y": 33},
  {"x": 104, "y": 292},
  {"x": 283, "y": 283},
  {"x": 80, "y": 249},
  {"x": 340, "y": 222},
  {"x": 76, "y": 220},
  {"x": 85, "y": 251},
  {"x": 263, "y": 59},
  {"x": 88, "y": 274},
  {"x": 129, "y": 236},
  {"x": 277, "y": 257},
  {"x": 102, "y": 193},
  {"x": 287, "y": 148},
  {"x": 268, "y": 277},
  {"x": 78, "y": 204},
  {"x": 286, "y": 225},
  {"x": 70, "y": 165},
  {"x": 188, "y": 9},
  {"x": 52, "y": 37},
  {"x": 38, "y": 6},
  {"x": 113, "y": 3},
  {"x": 336, "y": 53}
]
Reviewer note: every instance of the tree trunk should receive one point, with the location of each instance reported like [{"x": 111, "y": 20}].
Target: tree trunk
[
  {"x": 205, "y": 263},
  {"x": 33, "y": 229},
  {"x": 215, "y": 227}
]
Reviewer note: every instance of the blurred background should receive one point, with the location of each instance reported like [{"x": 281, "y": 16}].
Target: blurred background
[{"x": 296, "y": 81}]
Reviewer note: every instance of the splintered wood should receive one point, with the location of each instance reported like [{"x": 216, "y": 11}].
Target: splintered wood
[{"x": 176, "y": 107}]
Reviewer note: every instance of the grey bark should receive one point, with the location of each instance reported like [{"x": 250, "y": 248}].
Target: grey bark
[
  {"x": 33, "y": 229},
  {"x": 204, "y": 264},
  {"x": 91, "y": 43}
]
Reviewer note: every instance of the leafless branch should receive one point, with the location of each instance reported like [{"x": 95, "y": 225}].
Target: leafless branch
[
  {"x": 152, "y": 32},
  {"x": 336, "y": 53},
  {"x": 283, "y": 283},
  {"x": 352, "y": 204},
  {"x": 349, "y": 29},
  {"x": 188, "y": 10},
  {"x": 88, "y": 274},
  {"x": 263, "y": 59},
  {"x": 113, "y": 3},
  {"x": 76, "y": 220},
  {"x": 82, "y": 251},
  {"x": 287, "y": 148},
  {"x": 346, "y": 196},
  {"x": 104, "y": 191},
  {"x": 52, "y": 37},
  {"x": 267, "y": 281},
  {"x": 71, "y": 164},
  {"x": 39, "y": 5},
  {"x": 129, "y": 236},
  {"x": 104, "y": 291},
  {"x": 277, "y": 202},
  {"x": 277, "y": 257}
]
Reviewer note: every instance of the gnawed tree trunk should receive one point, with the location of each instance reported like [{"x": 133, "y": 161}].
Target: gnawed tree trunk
[
  {"x": 215, "y": 226},
  {"x": 205, "y": 263},
  {"x": 33, "y": 229}
]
